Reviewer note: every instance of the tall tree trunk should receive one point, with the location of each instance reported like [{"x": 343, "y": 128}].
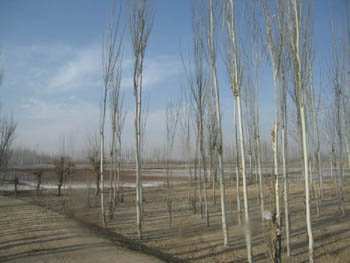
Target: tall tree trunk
[
  {"x": 204, "y": 172},
  {"x": 169, "y": 201},
  {"x": 319, "y": 164},
  {"x": 112, "y": 176},
  {"x": 284, "y": 149},
  {"x": 301, "y": 90},
  {"x": 200, "y": 178},
  {"x": 210, "y": 169},
  {"x": 196, "y": 175},
  {"x": 261, "y": 180},
  {"x": 119, "y": 165},
  {"x": 257, "y": 143},
  {"x": 210, "y": 39},
  {"x": 307, "y": 186},
  {"x": 285, "y": 175},
  {"x": 138, "y": 161},
  {"x": 102, "y": 156},
  {"x": 238, "y": 187},
  {"x": 245, "y": 185},
  {"x": 140, "y": 23},
  {"x": 341, "y": 179},
  {"x": 276, "y": 253}
]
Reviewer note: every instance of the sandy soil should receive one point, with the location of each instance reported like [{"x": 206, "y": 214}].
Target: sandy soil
[
  {"x": 29, "y": 233},
  {"x": 189, "y": 239}
]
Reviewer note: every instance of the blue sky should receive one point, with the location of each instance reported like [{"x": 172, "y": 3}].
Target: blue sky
[{"x": 50, "y": 57}]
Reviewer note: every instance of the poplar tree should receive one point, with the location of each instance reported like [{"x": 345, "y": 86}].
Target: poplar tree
[{"x": 140, "y": 26}]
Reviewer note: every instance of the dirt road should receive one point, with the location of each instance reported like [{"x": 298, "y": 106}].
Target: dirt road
[{"x": 29, "y": 233}]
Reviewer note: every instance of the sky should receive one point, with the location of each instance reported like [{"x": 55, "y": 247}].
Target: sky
[{"x": 50, "y": 56}]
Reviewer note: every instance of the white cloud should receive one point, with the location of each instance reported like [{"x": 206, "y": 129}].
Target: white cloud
[
  {"x": 43, "y": 122},
  {"x": 62, "y": 110},
  {"x": 156, "y": 71},
  {"x": 54, "y": 90},
  {"x": 160, "y": 69},
  {"x": 83, "y": 69},
  {"x": 78, "y": 72}
]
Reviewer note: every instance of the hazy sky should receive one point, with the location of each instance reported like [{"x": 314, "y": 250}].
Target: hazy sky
[{"x": 50, "y": 57}]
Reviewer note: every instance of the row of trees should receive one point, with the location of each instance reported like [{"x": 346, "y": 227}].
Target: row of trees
[
  {"x": 140, "y": 19},
  {"x": 279, "y": 33}
]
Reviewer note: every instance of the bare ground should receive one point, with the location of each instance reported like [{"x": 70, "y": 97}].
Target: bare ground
[
  {"x": 29, "y": 233},
  {"x": 189, "y": 238}
]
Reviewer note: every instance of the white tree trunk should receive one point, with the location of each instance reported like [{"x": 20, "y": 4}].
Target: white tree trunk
[
  {"x": 200, "y": 179},
  {"x": 261, "y": 180},
  {"x": 307, "y": 186},
  {"x": 257, "y": 136},
  {"x": 284, "y": 143},
  {"x": 102, "y": 159},
  {"x": 118, "y": 170},
  {"x": 138, "y": 159},
  {"x": 341, "y": 179},
  {"x": 218, "y": 116},
  {"x": 238, "y": 187},
  {"x": 202, "y": 152},
  {"x": 245, "y": 185},
  {"x": 221, "y": 162},
  {"x": 140, "y": 22},
  {"x": 304, "y": 144},
  {"x": 286, "y": 184},
  {"x": 112, "y": 177}
]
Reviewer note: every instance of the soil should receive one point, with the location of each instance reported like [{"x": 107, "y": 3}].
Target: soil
[
  {"x": 29, "y": 233},
  {"x": 189, "y": 239}
]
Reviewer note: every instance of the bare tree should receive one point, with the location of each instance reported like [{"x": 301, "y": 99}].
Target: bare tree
[
  {"x": 238, "y": 179},
  {"x": 63, "y": 165},
  {"x": 276, "y": 38},
  {"x": 248, "y": 96},
  {"x": 346, "y": 91},
  {"x": 198, "y": 81},
  {"x": 299, "y": 53},
  {"x": 117, "y": 127},
  {"x": 258, "y": 50},
  {"x": 234, "y": 69},
  {"x": 38, "y": 173},
  {"x": 7, "y": 132},
  {"x": 118, "y": 115},
  {"x": 172, "y": 114},
  {"x": 94, "y": 161},
  {"x": 185, "y": 129},
  {"x": 330, "y": 132},
  {"x": 111, "y": 55},
  {"x": 15, "y": 184},
  {"x": 337, "y": 81},
  {"x": 316, "y": 145},
  {"x": 212, "y": 139},
  {"x": 140, "y": 26},
  {"x": 209, "y": 20}
]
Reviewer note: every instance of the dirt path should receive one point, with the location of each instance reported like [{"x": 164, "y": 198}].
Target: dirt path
[{"x": 29, "y": 233}]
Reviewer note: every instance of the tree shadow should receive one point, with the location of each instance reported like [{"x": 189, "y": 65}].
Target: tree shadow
[{"x": 48, "y": 251}]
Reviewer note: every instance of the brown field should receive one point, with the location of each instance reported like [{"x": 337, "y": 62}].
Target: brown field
[{"x": 189, "y": 239}]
